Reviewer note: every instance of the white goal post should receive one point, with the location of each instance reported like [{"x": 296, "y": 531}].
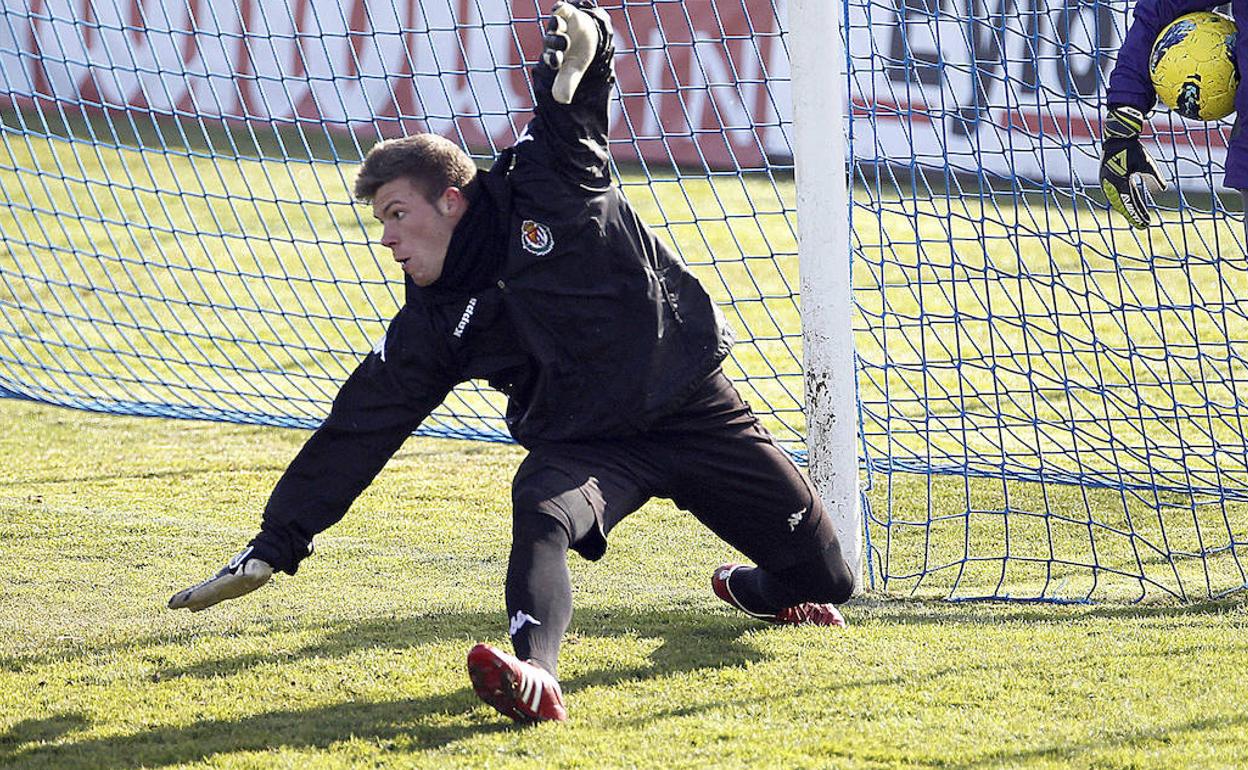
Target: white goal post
[
  {"x": 1041, "y": 403},
  {"x": 817, "y": 57}
]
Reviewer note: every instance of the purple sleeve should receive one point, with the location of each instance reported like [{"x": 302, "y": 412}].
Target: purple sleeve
[{"x": 1129, "y": 82}]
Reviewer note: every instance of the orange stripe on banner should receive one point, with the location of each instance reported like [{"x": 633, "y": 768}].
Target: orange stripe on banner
[{"x": 1032, "y": 122}]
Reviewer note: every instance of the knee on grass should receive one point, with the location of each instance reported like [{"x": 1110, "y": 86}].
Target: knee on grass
[{"x": 825, "y": 578}]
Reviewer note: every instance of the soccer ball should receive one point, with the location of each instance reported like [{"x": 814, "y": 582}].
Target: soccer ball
[{"x": 1193, "y": 66}]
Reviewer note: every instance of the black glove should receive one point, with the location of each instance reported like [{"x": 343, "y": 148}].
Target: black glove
[
  {"x": 1128, "y": 174},
  {"x": 572, "y": 42}
]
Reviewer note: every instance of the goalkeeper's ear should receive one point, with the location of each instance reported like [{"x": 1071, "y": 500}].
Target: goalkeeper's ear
[{"x": 573, "y": 39}]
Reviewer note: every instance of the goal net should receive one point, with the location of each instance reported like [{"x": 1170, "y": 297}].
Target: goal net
[
  {"x": 1052, "y": 403},
  {"x": 179, "y": 237},
  {"x": 1049, "y": 401}
]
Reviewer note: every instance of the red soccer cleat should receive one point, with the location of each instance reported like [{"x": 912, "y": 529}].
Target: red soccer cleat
[
  {"x": 520, "y": 690},
  {"x": 804, "y": 614}
]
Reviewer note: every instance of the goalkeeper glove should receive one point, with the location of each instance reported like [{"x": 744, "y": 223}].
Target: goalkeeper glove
[
  {"x": 571, "y": 42},
  {"x": 241, "y": 575},
  {"x": 1128, "y": 174}
]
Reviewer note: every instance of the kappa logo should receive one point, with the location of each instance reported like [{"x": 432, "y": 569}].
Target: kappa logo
[
  {"x": 536, "y": 238},
  {"x": 464, "y": 319},
  {"x": 519, "y": 619},
  {"x": 795, "y": 519}
]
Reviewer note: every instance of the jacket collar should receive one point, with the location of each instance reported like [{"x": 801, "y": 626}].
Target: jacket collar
[{"x": 478, "y": 245}]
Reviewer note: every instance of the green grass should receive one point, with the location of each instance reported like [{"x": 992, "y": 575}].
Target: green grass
[
  {"x": 1049, "y": 338},
  {"x": 998, "y": 336},
  {"x": 359, "y": 660},
  {"x": 224, "y": 282}
]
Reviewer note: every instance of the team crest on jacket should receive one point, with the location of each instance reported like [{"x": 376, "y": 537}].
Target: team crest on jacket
[{"x": 536, "y": 237}]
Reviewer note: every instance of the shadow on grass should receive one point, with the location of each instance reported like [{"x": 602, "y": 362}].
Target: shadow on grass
[
  {"x": 1085, "y": 753},
  {"x": 315, "y": 728},
  {"x": 690, "y": 642},
  {"x": 39, "y": 730}
]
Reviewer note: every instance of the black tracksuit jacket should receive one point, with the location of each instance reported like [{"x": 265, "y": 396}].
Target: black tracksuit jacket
[{"x": 553, "y": 291}]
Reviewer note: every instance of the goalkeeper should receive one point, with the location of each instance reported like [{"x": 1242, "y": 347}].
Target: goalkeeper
[
  {"x": 538, "y": 277},
  {"x": 1127, "y": 171}
]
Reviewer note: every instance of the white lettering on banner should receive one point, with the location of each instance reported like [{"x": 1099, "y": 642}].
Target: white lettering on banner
[
  {"x": 703, "y": 81},
  {"x": 398, "y": 66},
  {"x": 316, "y": 60},
  {"x": 1012, "y": 86}
]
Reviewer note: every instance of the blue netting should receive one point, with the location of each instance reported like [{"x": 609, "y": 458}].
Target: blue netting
[
  {"x": 178, "y": 229},
  {"x": 1051, "y": 404}
]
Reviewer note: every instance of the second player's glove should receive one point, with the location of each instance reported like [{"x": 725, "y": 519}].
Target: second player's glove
[
  {"x": 1128, "y": 173},
  {"x": 241, "y": 575},
  {"x": 571, "y": 42}
]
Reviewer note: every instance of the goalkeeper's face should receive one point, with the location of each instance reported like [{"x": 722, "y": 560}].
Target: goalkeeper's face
[{"x": 418, "y": 231}]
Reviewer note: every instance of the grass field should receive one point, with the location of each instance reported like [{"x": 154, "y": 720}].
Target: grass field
[
  {"x": 359, "y": 660},
  {"x": 1001, "y": 339},
  {"x": 149, "y": 280}
]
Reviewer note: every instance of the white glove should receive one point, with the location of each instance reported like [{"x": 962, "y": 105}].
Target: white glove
[
  {"x": 571, "y": 42},
  {"x": 241, "y": 576}
]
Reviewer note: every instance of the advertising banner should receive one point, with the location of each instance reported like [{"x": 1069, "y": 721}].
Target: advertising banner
[{"x": 1007, "y": 87}]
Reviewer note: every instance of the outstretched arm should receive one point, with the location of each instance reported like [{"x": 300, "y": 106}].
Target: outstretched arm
[
  {"x": 571, "y": 88},
  {"x": 1128, "y": 174},
  {"x": 373, "y": 414},
  {"x": 386, "y": 398}
]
